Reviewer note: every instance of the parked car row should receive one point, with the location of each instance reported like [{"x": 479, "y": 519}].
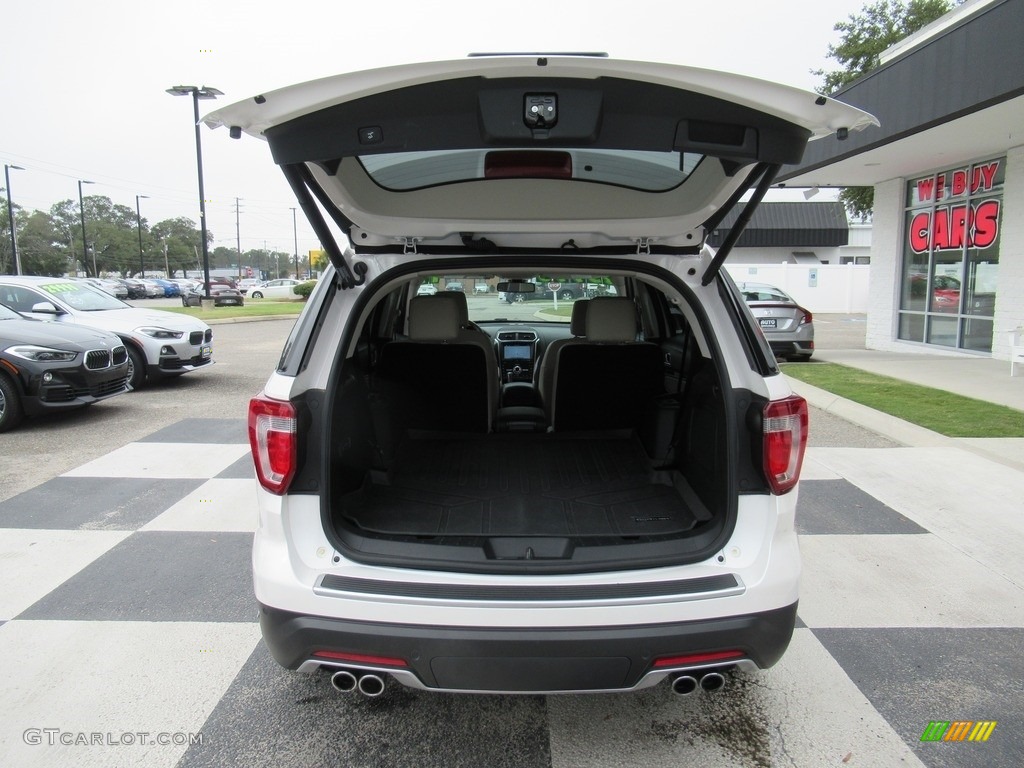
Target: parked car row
[{"x": 66, "y": 343}]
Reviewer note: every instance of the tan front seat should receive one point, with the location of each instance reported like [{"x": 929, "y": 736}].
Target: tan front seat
[
  {"x": 608, "y": 380},
  {"x": 546, "y": 373}
]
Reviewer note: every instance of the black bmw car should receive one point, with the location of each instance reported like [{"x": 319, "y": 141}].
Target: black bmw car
[{"x": 48, "y": 367}]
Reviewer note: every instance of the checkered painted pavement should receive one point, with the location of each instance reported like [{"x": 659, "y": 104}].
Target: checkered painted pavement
[{"x": 128, "y": 628}]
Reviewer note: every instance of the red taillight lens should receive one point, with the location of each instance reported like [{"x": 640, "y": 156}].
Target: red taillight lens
[
  {"x": 807, "y": 318},
  {"x": 272, "y": 440},
  {"x": 361, "y": 658},
  {"x": 697, "y": 658},
  {"x": 785, "y": 439}
]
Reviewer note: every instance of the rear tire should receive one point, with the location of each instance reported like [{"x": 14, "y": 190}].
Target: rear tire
[
  {"x": 10, "y": 405},
  {"x": 136, "y": 367}
]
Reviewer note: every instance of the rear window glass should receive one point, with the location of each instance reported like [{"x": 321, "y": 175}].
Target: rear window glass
[{"x": 643, "y": 170}]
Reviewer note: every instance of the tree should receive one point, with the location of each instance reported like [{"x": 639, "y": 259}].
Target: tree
[
  {"x": 183, "y": 243},
  {"x": 864, "y": 37},
  {"x": 112, "y": 243},
  {"x": 40, "y": 246}
]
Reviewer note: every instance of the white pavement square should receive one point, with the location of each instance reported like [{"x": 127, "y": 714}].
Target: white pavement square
[
  {"x": 216, "y": 505},
  {"x": 113, "y": 678},
  {"x": 34, "y": 562},
  {"x": 163, "y": 460}
]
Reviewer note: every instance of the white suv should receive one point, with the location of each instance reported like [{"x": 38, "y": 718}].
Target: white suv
[{"x": 560, "y": 495}]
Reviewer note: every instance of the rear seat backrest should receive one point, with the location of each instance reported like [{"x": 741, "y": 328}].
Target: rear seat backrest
[
  {"x": 546, "y": 372},
  {"x": 467, "y": 333},
  {"x": 436, "y": 380},
  {"x": 609, "y": 380}
]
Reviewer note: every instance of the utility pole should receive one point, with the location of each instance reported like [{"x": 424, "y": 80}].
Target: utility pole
[
  {"x": 10, "y": 217},
  {"x": 238, "y": 238},
  {"x": 295, "y": 233}
]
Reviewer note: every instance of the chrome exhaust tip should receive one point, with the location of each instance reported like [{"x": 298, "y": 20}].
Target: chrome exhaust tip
[
  {"x": 371, "y": 686},
  {"x": 684, "y": 685},
  {"x": 712, "y": 681},
  {"x": 344, "y": 681}
]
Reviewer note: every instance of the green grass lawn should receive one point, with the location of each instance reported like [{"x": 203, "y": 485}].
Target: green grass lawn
[
  {"x": 942, "y": 412},
  {"x": 252, "y": 308}
]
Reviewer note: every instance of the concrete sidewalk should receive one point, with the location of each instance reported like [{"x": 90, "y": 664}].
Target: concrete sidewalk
[{"x": 981, "y": 378}]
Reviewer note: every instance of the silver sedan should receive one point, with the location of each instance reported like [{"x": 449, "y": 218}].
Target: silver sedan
[{"x": 788, "y": 327}]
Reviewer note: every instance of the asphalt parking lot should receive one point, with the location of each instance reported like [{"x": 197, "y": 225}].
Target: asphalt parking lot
[{"x": 124, "y": 536}]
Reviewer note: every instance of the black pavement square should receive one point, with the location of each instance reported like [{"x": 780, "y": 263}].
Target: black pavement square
[
  {"x": 914, "y": 676},
  {"x": 231, "y": 431},
  {"x": 159, "y": 576},
  {"x": 93, "y": 503},
  {"x": 840, "y": 507},
  {"x": 269, "y": 716},
  {"x": 240, "y": 470}
]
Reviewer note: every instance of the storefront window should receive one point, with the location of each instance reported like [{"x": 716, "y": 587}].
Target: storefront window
[{"x": 951, "y": 256}]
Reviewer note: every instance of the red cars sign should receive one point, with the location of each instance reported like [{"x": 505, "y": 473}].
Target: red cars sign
[{"x": 957, "y": 225}]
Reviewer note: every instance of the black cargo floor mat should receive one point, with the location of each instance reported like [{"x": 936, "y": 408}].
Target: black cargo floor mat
[{"x": 510, "y": 485}]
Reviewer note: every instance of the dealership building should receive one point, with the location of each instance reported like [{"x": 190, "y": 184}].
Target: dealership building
[{"x": 947, "y": 167}]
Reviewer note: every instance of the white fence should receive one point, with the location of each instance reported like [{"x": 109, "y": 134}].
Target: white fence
[{"x": 840, "y": 288}]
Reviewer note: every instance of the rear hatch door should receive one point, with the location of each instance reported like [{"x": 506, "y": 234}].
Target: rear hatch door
[{"x": 532, "y": 153}]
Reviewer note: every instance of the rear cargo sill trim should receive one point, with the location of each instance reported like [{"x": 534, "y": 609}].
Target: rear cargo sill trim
[{"x": 722, "y": 585}]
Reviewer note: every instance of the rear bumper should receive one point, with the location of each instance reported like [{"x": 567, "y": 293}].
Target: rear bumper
[
  {"x": 796, "y": 348},
  {"x": 515, "y": 660}
]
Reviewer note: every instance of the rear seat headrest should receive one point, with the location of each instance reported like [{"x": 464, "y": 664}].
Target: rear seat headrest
[
  {"x": 578, "y": 320},
  {"x": 611, "y": 319},
  {"x": 459, "y": 299},
  {"x": 432, "y": 320}
]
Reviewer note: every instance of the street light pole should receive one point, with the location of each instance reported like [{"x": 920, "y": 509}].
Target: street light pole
[
  {"x": 199, "y": 92},
  {"x": 10, "y": 217},
  {"x": 138, "y": 219},
  {"x": 85, "y": 245}
]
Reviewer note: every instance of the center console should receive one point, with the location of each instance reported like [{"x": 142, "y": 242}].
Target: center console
[
  {"x": 520, "y": 405},
  {"x": 517, "y": 355}
]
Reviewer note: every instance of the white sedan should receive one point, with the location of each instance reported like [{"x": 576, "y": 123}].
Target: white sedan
[{"x": 276, "y": 289}]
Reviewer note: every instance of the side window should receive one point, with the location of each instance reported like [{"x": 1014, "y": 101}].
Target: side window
[{"x": 19, "y": 298}]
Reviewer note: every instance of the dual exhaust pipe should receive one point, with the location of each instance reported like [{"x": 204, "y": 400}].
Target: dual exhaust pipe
[
  {"x": 372, "y": 685},
  {"x": 684, "y": 685},
  {"x": 368, "y": 684}
]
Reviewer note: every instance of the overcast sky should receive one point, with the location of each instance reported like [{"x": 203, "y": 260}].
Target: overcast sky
[{"x": 82, "y": 94}]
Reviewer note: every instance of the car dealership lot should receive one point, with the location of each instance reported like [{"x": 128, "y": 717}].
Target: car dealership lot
[{"x": 124, "y": 535}]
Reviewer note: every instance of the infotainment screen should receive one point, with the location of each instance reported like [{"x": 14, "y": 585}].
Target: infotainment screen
[{"x": 516, "y": 351}]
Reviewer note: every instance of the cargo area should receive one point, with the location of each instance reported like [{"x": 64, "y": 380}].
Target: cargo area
[
  {"x": 632, "y": 470},
  {"x": 580, "y": 486}
]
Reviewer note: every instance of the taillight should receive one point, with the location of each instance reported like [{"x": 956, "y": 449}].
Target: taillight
[
  {"x": 272, "y": 439},
  {"x": 785, "y": 439},
  {"x": 697, "y": 658},
  {"x": 807, "y": 318}
]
